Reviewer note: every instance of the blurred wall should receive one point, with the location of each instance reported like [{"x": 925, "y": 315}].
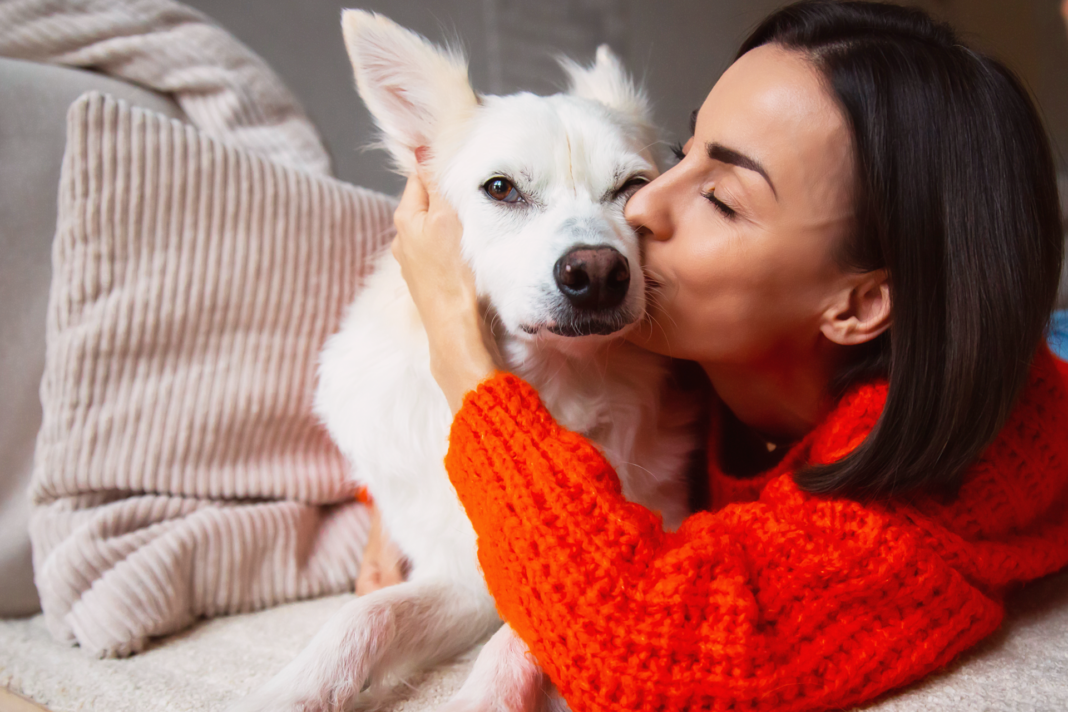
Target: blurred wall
[
  {"x": 1028, "y": 35},
  {"x": 677, "y": 47}
]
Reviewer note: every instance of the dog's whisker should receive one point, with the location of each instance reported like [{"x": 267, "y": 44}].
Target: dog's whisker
[
  {"x": 658, "y": 143},
  {"x": 643, "y": 469}
]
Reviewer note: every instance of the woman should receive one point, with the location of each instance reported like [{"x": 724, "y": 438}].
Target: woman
[{"x": 860, "y": 246}]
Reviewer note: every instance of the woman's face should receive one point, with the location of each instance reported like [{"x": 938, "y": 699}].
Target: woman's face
[{"x": 741, "y": 234}]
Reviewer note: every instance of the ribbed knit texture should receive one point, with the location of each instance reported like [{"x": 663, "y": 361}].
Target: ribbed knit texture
[
  {"x": 776, "y": 599},
  {"x": 179, "y": 470},
  {"x": 221, "y": 85}
]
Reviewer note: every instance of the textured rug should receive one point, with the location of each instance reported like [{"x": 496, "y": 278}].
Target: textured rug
[
  {"x": 199, "y": 670},
  {"x": 1022, "y": 667}
]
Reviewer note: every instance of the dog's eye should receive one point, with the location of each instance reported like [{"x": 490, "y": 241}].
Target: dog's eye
[
  {"x": 501, "y": 189},
  {"x": 630, "y": 186}
]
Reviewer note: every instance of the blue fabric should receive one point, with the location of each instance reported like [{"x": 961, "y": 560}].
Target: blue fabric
[{"x": 1058, "y": 333}]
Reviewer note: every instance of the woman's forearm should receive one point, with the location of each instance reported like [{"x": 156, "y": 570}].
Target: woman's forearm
[
  {"x": 427, "y": 247},
  {"x": 461, "y": 358}
]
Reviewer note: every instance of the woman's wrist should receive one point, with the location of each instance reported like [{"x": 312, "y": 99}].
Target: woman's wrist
[
  {"x": 427, "y": 247},
  {"x": 461, "y": 355}
]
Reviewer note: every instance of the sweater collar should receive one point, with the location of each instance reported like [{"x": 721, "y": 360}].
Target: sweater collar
[{"x": 846, "y": 425}]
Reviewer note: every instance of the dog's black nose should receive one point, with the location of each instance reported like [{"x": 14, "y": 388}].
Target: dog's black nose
[{"x": 593, "y": 277}]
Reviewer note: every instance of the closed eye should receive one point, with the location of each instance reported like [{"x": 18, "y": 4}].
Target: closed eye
[
  {"x": 630, "y": 186},
  {"x": 727, "y": 211}
]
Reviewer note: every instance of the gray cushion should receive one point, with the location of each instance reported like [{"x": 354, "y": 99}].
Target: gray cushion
[{"x": 34, "y": 98}]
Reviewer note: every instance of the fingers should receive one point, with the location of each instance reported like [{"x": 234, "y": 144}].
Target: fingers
[
  {"x": 435, "y": 204},
  {"x": 423, "y": 174},
  {"x": 419, "y": 197},
  {"x": 414, "y": 202},
  {"x": 383, "y": 563},
  {"x": 393, "y": 573},
  {"x": 367, "y": 581},
  {"x": 379, "y": 573}
]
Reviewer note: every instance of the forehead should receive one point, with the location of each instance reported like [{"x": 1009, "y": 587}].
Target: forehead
[
  {"x": 550, "y": 139},
  {"x": 773, "y": 105}
]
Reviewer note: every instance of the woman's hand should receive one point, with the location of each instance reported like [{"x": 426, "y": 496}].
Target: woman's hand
[
  {"x": 382, "y": 564},
  {"x": 427, "y": 247}
]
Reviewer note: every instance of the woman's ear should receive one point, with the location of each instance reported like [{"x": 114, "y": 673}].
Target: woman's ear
[{"x": 860, "y": 311}]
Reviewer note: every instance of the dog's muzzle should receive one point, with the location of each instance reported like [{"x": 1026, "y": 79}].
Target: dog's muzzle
[{"x": 594, "y": 280}]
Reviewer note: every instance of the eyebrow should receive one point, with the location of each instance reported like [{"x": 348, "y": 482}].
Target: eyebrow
[{"x": 719, "y": 152}]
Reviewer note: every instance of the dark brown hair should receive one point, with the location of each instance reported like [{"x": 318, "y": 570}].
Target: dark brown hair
[{"x": 956, "y": 198}]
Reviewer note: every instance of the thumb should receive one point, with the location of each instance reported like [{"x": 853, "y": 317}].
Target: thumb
[
  {"x": 422, "y": 172},
  {"x": 425, "y": 177},
  {"x": 414, "y": 199},
  {"x": 433, "y": 197},
  {"x": 422, "y": 153}
]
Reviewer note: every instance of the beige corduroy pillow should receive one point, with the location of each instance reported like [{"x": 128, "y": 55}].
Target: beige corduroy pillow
[{"x": 179, "y": 470}]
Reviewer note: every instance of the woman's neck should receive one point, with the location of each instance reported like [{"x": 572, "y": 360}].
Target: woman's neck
[{"x": 781, "y": 399}]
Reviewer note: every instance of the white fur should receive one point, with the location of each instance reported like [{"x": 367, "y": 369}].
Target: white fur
[
  {"x": 505, "y": 670},
  {"x": 566, "y": 154}
]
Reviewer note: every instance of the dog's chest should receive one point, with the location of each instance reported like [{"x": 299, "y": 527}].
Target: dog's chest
[
  {"x": 600, "y": 402},
  {"x": 587, "y": 416}
]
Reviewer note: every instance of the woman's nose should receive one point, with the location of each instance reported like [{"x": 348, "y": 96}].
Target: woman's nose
[{"x": 649, "y": 210}]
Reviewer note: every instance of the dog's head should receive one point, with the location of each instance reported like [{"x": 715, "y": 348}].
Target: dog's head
[{"x": 538, "y": 182}]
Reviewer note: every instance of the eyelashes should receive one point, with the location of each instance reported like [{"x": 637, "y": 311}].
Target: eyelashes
[
  {"x": 724, "y": 209},
  {"x": 676, "y": 150}
]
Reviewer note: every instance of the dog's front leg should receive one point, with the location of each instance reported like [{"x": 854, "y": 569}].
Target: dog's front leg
[
  {"x": 374, "y": 638},
  {"x": 506, "y": 678}
]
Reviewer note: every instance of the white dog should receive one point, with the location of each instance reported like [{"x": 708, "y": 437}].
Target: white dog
[{"x": 539, "y": 184}]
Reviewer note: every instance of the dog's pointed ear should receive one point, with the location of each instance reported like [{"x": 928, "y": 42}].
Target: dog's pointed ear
[
  {"x": 412, "y": 88},
  {"x": 607, "y": 81}
]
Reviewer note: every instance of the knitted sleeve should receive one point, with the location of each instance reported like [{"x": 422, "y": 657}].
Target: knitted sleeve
[{"x": 788, "y": 603}]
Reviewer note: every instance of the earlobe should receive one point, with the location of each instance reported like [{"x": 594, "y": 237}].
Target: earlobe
[{"x": 861, "y": 312}]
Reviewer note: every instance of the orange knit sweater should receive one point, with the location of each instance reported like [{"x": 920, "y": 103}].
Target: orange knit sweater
[{"x": 775, "y": 599}]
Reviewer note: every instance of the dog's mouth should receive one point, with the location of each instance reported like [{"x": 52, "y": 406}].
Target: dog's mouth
[
  {"x": 588, "y": 327},
  {"x": 584, "y": 325}
]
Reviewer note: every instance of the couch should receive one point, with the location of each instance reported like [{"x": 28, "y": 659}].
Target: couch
[{"x": 207, "y": 663}]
